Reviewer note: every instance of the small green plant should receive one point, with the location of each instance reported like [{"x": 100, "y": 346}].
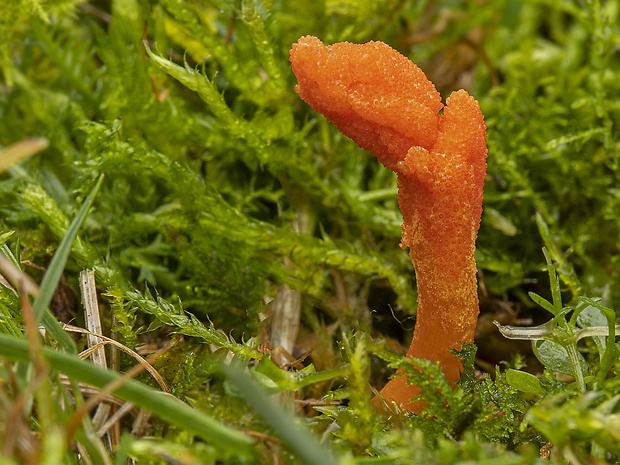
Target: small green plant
[
  {"x": 583, "y": 409},
  {"x": 555, "y": 342}
]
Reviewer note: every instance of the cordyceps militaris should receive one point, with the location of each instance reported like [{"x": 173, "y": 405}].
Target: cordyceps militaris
[{"x": 384, "y": 102}]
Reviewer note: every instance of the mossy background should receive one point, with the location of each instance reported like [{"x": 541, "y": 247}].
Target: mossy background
[{"x": 221, "y": 186}]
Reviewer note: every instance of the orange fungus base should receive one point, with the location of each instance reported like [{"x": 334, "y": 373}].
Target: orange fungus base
[{"x": 385, "y": 103}]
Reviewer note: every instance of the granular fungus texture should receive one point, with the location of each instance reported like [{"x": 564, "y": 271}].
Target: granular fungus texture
[
  {"x": 385, "y": 103},
  {"x": 372, "y": 93}
]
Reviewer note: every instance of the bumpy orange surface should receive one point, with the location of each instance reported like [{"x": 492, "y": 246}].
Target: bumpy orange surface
[{"x": 385, "y": 103}]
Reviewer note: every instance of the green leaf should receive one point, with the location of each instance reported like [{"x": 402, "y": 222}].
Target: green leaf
[
  {"x": 544, "y": 303},
  {"x": 599, "y": 315},
  {"x": 523, "y": 381},
  {"x": 499, "y": 221},
  {"x": 591, "y": 316},
  {"x": 555, "y": 357}
]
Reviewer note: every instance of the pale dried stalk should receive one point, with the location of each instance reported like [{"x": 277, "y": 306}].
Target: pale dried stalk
[
  {"x": 93, "y": 325},
  {"x": 286, "y": 308},
  {"x": 20, "y": 151},
  {"x": 120, "y": 413},
  {"x": 93, "y": 319},
  {"x": 284, "y": 324},
  {"x": 88, "y": 391}
]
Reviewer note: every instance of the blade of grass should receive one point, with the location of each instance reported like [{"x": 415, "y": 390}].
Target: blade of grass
[
  {"x": 122, "y": 451},
  {"x": 54, "y": 273},
  {"x": 301, "y": 441},
  {"x": 165, "y": 407},
  {"x": 52, "y": 325}
]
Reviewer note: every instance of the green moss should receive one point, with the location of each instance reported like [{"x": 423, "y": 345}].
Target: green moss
[{"x": 221, "y": 185}]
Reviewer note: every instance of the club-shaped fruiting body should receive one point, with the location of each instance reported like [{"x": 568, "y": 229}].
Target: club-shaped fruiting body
[{"x": 385, "y": 103}]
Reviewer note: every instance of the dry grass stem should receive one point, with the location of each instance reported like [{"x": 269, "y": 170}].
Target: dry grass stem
[
  {"x": 285, "y": 323},
  {"x": 17, "y": 277},
  {"x": 141, "y": 360},
  {"x": 93, "y": 324},
  {"x": 20, "y": 151},
  {"x": 76, "y": 419},
  {"x": 115, "y": 418}
]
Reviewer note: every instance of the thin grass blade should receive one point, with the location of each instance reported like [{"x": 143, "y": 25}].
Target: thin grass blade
[
  {"x": 54, "y": 273},
  {"x": 301, "y": 441}
]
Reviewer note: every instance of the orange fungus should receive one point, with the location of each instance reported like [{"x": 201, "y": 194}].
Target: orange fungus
[{"x": 385, "y": 103}]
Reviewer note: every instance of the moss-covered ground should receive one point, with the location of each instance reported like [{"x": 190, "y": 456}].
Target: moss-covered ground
[{"x": 161, "y": 144}]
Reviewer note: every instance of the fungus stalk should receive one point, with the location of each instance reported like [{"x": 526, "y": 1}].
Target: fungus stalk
[{"x": 384, "y": 102}]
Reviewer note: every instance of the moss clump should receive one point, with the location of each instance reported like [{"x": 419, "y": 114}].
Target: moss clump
[{"x": 220, "y": 186}]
